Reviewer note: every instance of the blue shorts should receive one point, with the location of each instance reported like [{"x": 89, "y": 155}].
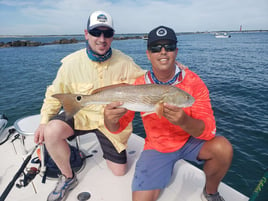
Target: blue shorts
[{"x": 154, "y": 169}]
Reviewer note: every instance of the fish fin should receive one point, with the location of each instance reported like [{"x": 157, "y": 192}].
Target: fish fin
[
  {"x": 109, "y": 87},
  {"x": 71, "y": 104},
  {"x": 159, "y": 109},
  {"x": 147, "y": 113}
]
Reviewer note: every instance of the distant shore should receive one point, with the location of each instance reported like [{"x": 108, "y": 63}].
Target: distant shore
[
  {"x": 29, "y": 43},
  {"x": 65, "y": 40},
  {"x": 129, "y": 34}
]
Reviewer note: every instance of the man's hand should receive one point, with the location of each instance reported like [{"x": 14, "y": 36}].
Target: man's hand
[
  {"x": 177, "y": 116},
  {"x": 112, "y": 114},
  {"x": 39, "y": 134},
  {"x": 173, "y": 114}
]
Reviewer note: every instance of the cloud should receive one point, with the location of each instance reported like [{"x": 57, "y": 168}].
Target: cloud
[{"x": 70, "y": 17}]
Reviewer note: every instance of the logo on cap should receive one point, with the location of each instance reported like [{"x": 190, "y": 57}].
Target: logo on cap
[
  {"x": 102, "y": 18},
  {"x": 161, "y": 32}
]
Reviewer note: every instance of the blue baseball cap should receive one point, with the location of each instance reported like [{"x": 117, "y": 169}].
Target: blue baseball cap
[{"x": 161, "y": 33}]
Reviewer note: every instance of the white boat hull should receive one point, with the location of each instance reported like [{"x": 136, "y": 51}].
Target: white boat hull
[{"x": 223, "y": 36}]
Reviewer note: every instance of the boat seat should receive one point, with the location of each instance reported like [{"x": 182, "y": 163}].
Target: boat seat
[
  {"x": 27, "y": 126},
  {"x": 24, "y": 128}
]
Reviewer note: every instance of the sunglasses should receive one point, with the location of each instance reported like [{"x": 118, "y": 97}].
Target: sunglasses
[
  {"x": 168, "y": 47},
  {"x": 106, "y": 33}
]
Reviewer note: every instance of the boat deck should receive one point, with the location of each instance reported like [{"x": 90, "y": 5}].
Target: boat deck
[{"x": 186, "y": 185}]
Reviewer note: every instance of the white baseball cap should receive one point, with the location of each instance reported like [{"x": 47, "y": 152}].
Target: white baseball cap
[{"x": 99, "y": 19}]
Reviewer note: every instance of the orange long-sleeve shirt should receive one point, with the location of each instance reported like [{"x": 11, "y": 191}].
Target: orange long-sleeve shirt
[{"x": 162, "y": 135}]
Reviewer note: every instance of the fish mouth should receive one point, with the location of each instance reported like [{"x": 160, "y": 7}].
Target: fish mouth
[{"x": 191, "y": 101}]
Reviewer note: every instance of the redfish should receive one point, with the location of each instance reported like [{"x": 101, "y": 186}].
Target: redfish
[{"x": 148, "y": 98}]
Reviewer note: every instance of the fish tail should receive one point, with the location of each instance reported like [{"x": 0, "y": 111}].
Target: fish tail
[
  {"x": 159, "y": 109},
  {"x": 70, "y": 104}
]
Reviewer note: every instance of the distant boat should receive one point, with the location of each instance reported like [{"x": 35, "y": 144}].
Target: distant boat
[{"x": 222, "y": 35}]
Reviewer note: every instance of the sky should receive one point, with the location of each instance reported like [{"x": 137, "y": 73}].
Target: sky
[{"x": 43, "y": 17}]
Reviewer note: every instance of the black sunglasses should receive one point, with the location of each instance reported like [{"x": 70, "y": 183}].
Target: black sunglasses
[
  {"x": 158, "y": 47},
  {"x": 97, "y": 33}
]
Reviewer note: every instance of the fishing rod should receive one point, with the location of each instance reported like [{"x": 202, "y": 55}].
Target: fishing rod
[
  {"x": 260, "y": 186},
  {"x": 17, "y": 175}
]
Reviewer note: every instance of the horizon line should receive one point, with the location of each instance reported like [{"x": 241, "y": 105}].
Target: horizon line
[{"x": 187, "y": 32}]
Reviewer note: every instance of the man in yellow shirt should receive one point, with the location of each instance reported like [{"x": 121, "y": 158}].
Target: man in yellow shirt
[{"x": 81, "y": 72}]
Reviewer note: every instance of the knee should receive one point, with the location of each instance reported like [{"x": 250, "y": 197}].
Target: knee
[
  {"x": 117, "y": 169},
  {"x": 57, "y": 130},
  {"x": 119, "y": 172},
  {"x": 222, "y": 148},
  {"x": 151, "y": 195}
]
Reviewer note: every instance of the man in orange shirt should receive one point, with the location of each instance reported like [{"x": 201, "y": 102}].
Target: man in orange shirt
[{"x": 183, "y": 133}]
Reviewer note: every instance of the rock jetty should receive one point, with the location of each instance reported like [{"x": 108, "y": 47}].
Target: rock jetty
[{"x": 28, "y": 43}]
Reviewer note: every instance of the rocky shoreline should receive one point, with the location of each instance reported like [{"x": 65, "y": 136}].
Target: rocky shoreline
[{"x": 29, "y": 43}]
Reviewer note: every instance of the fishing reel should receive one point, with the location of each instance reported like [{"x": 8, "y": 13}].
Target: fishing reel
[
  {"x": 4, "y": 133},
  {"x": 27, "y": 177},
  {"x": 3, "y": 122}
]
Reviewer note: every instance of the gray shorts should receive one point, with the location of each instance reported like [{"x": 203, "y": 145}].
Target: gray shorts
[
  {"x": 154, "y": 169},
  {"x": 109, "y": 151}
]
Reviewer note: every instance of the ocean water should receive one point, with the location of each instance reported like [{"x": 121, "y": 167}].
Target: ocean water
[{"x": 235, "y": 71}]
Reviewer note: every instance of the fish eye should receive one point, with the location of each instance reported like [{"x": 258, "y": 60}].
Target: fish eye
[{"x": 78, "y": 98}]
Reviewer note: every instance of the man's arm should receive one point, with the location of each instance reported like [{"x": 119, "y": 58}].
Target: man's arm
[{"x": 177, "y": 116}]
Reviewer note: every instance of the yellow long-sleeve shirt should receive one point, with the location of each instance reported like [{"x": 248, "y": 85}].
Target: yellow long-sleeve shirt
[{"x": 79, "y": 75}]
